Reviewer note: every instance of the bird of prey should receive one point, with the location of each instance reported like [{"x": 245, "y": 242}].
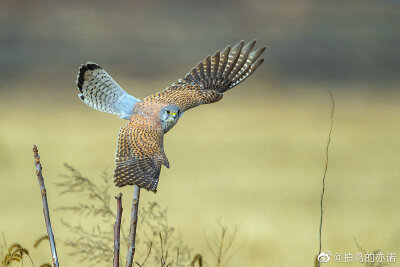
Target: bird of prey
[{"x": 140, "y": 149}]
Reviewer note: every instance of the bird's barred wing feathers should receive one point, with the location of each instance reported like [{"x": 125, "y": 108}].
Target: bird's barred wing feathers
[
  {"x": 210, "y": 78},
  {"x": 99, "y": 91},
  {"x": 140, "y": 153},
  {"x": 226, "y": 69}
]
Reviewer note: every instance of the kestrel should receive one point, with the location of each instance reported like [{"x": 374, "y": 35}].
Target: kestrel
[{"x": 140, "y": 149}]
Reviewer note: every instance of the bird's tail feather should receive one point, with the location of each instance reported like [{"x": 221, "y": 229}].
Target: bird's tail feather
[{"x": 99, "y": 91}]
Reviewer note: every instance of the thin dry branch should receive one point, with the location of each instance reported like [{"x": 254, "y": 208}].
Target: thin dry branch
[
  {"x": 325, "y": 171},
  {"x": 45, "y": 206},
  {"x": 163, "y": 258},
  {"x": 147, "y": 256},
  {"x": 117, "y": 230},
  {"x": 197, "y": 259},
  {"x": 221, "y": 245},
  {"x": 132, "y": 231},
  {"x": 177, "y": 257}
]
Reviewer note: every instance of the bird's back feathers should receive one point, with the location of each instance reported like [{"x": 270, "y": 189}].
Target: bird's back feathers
[{"x": 140, "y": 153}]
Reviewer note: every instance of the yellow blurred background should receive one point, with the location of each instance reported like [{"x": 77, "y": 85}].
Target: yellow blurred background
[{"x": 255, "y": 159}]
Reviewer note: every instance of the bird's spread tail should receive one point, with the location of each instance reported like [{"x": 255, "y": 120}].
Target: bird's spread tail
[
  {"x": 228, "y": 68},
  {"x": 99, "y": 91}
]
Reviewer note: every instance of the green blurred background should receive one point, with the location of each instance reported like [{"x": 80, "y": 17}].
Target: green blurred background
[{"x": 255, "y": 159}]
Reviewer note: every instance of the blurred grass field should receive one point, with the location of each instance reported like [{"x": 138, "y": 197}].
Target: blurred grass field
[{"x": 254, "y": 159}]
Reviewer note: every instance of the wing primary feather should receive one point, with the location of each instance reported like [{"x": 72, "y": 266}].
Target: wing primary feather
[
  {"x": 253, "y": 67},
  {"x": 244, "y": 54},
  {"x": 214, "y": 68},
  {"x": 196, "y": 74},
  {"x": 200, "y": 70},
  {"x": 256, "y": 54},
  {"x": 232, "y": 59},
  {"x": 207, "y": 70},
  {"x": 190, "y": 77},
  {"x": 214, "y": 64},
  {"x": 210, "y": 78},
  {"x": 244, "y": 73},
  {"x": 223, "y": 61},
  {"x": 257, "y": 64}
]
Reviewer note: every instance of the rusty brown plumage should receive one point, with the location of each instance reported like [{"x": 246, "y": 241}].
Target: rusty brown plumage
[
  {"x": 140, "y": 151},
  {"x": 207, "y": 82},
  {"x": 184, "y": 95}
]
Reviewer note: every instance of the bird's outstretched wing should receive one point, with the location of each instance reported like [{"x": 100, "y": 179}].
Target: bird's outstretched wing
[
  {"x": 99, "y": 91},
  {"x": 206, "y": 82},
  {"x": 140, "y": 153}
]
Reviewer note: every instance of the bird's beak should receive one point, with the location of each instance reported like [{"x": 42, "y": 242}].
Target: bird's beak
[{"x": 174, "y": 115}]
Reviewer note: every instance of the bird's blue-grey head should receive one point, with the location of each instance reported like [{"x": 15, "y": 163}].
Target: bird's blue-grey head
[{"x": 169, "y": 116}]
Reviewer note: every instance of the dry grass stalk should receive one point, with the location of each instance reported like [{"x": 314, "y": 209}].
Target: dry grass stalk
[
  {"x": 117, "y": 228},
  {"x": 147, "y": 256},
  {"x": 197, "y": 259},
  {"x": 221, "y": 246},
  {"x": 37, "y": 242},
  {"x": 14, "y": 253},
  {"x": 96, "y": 246},
  {"x": 78, "y": 184},
  {"x": 45, "y": 207},
  {"x": 375, "y": 253},
  {"x": 325, "y": 171},
  {"x": 163, "y": 258},
  {"x": 177, "y": 257}
]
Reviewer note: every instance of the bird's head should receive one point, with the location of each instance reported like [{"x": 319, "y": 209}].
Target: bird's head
[{"x": 169, "y": 116}]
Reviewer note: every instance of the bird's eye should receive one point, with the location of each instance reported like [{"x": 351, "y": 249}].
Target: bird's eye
[{"x": 168, "y": 111}]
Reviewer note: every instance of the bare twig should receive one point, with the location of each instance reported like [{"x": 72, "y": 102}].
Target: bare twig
[
  {"x": 132, "y": 231},
  {"x": 326, "y": 169},
  {"x": 177, "y": 257},
  {"x": 147, "y": 256},
  {"x": 221, "y": 245},
  {"x": 163, "y": 258},
  {"x": 45, "y": 206},
  {"x": 376, "y": 254},
  {"x": 117, "y": 230},
  {"x": 199, "y": 259}
]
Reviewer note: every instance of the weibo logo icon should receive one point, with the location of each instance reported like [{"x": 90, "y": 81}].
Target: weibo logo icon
[{"x": 324, "y": 257}]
